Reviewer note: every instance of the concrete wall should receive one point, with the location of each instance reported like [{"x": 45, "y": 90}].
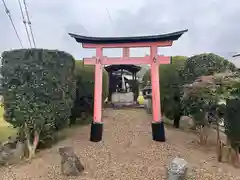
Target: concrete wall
[{"x": 123, "y": 97}]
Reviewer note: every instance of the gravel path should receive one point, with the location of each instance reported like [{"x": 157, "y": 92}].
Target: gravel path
[{"x": 126, "y": 153}]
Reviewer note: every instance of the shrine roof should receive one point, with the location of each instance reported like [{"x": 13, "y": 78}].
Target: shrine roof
[
  {"x": 130, "y": 68},
  {"x": 236, "y": 55},
  {"x": 135, "y": 39}
]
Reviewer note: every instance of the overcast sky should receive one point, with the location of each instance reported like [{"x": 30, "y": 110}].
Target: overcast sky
[{"x": 214, "y": 25}]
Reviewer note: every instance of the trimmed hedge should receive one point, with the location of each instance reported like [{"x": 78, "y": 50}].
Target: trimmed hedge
[
  {"x": 232, "y": 123},
  {"x": 84, "y": 75},
  {"x": 38, "y": 90}
]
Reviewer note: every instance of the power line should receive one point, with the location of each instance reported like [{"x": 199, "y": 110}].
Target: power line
[
  {"x": 10, "y": 17},
  {"x": 109, "y": 16},
  {"x": 29, "y": 23},
  {"x": 25, "y": 23}
]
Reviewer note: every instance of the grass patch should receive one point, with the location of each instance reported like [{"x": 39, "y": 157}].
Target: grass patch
[
  {"x": 167, "y": 121},
  {"x": 6, "y": 129}
]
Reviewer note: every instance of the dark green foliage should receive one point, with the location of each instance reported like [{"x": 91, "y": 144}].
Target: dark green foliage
[
  {"x": 85, "y": 89},
  {"x": 38, "y": 90},
  {"x": 204, "y": 65},
  {"x": 232, "y": 123},
  {"x": 200, "y": 98},
  {"x": 205, "y": 94},
  {"x": 170, "y": 87}
]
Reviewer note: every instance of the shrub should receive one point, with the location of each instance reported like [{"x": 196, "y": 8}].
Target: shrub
[
  {"x": 170, "y": 86},
  {"x": 232, "y": 123},
  {"x": 38, "y": 91},
  {"x": 204, "y": 65},
  {"x": 84, "y": 75},
  {"x": 206, "y": 96}
]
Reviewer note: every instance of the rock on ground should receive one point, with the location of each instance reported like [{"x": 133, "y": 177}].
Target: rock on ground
[
  {"x": 10, "y": 154},
  {"x": 70, "y": 163},
  {"x": 177, "y": 169}
]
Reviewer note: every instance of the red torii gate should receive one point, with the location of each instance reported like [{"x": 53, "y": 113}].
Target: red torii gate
[{"x": 154, "y": 60}]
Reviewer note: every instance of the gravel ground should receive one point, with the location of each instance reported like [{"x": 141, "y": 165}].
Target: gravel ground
[{"x": 127, "y": 152}]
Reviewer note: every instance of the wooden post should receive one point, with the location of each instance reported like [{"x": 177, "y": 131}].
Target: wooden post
[
  {"x": 97, "y": 126},
  {"x": 158, "y": 132},
  {"x": 110, "y": 87}
]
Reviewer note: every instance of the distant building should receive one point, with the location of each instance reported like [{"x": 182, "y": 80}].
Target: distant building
[{"x": 236, "y": 60}]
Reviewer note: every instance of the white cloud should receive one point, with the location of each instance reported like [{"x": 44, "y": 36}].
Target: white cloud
[{"x": 213, "y": 24}]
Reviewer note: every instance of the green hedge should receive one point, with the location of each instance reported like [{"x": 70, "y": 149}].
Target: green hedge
[
  {"x": 84, "y": 75},
  {"x": 38, "y": 90},
  {"x": 232, "y": 123}
]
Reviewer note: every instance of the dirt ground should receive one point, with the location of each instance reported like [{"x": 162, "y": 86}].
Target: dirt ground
[{"x": 127, "y": 152}]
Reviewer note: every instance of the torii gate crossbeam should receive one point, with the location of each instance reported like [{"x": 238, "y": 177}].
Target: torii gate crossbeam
[{"x": 154, "y": 60}]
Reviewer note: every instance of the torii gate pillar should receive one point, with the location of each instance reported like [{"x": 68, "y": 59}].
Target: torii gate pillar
[{"x": 158, "y": 133}]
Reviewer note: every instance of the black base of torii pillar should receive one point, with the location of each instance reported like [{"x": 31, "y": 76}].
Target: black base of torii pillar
[{"x": 96, "y": 132}]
